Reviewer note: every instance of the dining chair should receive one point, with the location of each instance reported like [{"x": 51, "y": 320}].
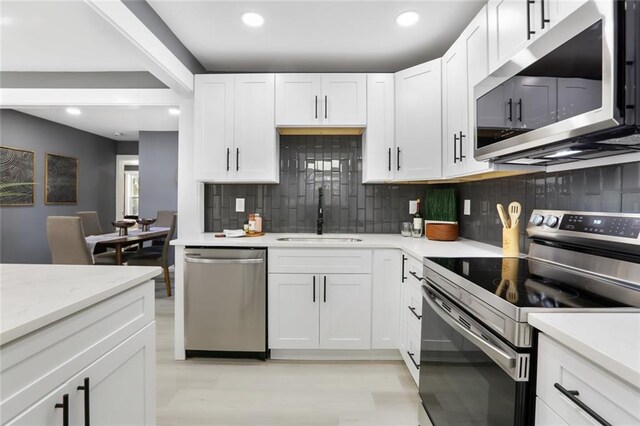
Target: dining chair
[
  {"x": 163, "y": 220},
  {"x": 90, "y": 223},
  {"x": 150, "y": 257},
  {"x": 68, "y": 245}
]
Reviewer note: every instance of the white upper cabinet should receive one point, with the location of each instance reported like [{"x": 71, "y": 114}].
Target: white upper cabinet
[
  {"x": 235, "y": 136},
  {"x": 378, "y": 140},
  {"x": 509, "y": 25},
  {"x": 419, "y": 122},
  {"x": 321, "y": 99}
]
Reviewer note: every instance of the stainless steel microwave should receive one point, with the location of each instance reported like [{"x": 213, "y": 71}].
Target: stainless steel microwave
[{"x": 571, "y": 94}]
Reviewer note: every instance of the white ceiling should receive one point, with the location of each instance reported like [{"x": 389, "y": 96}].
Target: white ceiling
[
  {"x": 60, "y": 35},
  {"x": 105, "y": 121},
  {"x": 314, "y": 35}
]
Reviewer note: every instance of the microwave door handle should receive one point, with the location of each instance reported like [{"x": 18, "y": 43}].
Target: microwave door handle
[{"x": 503, "y": 359}]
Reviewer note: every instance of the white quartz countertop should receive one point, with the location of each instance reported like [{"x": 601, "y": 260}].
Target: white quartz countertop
[
  {"x": 34, "y": 296},
  {"x": 610, "y": 340},
  {"x": 416, "y": 247}
]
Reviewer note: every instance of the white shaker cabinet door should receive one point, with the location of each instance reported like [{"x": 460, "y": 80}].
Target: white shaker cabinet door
[
  {"x": 298, "y": 100},
  {"x": 419, "y": 122},
  {"x": 344, "y": 99},
  {"x": 345, "y": 311},
  {"x": 378, "y": 146},
  {"x": 508, "y": 29},
  {"x": 294, "y": 311},
  {"x": 213, "y": 121},
  {"x": 385, "y": 293},
  {"x": 454, "y": 101},
  {"x": 255, "y": 157}
]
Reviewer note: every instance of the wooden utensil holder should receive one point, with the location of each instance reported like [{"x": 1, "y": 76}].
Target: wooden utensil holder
[{"x": 510, "y": 242}]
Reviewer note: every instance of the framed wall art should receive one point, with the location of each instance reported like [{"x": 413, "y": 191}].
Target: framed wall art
[
  {"x": 61, "y": 179},
  {"x": 17, "y": 177}
]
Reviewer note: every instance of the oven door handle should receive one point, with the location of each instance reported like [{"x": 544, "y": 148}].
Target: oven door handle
[{"x": 504, "y": 360}]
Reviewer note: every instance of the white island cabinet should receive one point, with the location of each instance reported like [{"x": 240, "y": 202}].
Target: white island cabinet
[{"x": 77, "y": 345}]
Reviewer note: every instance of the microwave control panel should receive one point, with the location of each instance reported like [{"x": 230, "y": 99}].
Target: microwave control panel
[{"x": 615, "y": 226}]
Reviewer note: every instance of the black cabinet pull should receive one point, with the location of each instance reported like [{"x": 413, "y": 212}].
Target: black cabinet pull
[
  {"x": 65, "y": 409},
  {"x": 398, "y": 158},
  {"x": 404, "y": 259},
  {"x": 314, "y": 289},
  {"x": 572, "y": 395},
  {"x": 237, "y": 159},
  {"x": 389, "y": 159},
  {"x": 413, "y": 311},
  {"x": 529, "y": 31},
  {"x": 316, "y": 107},
  {"x": 325, "y": 107},
  {"x": 520, "y": 110},
  {"x": 455, "y": 147},
  {"x": 417, "y": 277},
  {"x": 228, "y": 153},
  {"x": 460, "y": 140},
  {"x": 510, "y": 103},
  {"x": 87, "y": 401},
  {"x": 325, "y": 289},
  {"x": 544, "y": 20},
  {"x": 413, "y": 360}
]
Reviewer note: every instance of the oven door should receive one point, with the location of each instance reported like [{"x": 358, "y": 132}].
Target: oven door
[{"x": 467, "y": 374}]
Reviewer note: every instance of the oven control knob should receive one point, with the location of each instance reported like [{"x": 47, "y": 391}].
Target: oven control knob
[
  {"x": 551, "y": 221},
  {"x": 537, "y": 219}
]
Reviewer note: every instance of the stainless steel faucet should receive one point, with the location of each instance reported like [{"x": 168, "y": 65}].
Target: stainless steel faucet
[{"x": 320, "y": 220}]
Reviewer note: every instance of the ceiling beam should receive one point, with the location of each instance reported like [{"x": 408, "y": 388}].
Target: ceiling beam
[
  {"x": 18, "y": 98},
  {"x": 153, "y": 54}
]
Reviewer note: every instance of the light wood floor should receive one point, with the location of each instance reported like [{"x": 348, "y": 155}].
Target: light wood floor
[{"x": 227, "y": 392}]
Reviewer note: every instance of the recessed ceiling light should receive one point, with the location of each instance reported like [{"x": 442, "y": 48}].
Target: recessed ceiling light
[
  {"x": 73, "y": 111},
  {"x": 117, "y": 134},
  {"x": 408, "y": 18},
  {"x": 174, "y": 111},
  {"x": 252, "y": 19}
]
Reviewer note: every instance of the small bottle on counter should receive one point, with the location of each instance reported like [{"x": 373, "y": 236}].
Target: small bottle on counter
[
  {"x": 258, "y": 220},
  {"x": 245, "y": 227},
  {"x": 252, "y": 223}
]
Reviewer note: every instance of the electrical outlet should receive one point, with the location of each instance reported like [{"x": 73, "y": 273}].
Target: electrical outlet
[
  {"x": 413, "y": 206},
  {"x": 467, "y": 207},
  {"x": 239, "y": 205}
]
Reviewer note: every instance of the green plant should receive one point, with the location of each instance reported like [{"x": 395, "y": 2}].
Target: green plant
[{"x": 441, "y": 205}]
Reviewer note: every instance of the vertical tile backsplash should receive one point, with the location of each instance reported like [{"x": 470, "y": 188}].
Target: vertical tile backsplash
[
  {"x": 308, "y": 163},
  {"x": 614, "y": 188}
]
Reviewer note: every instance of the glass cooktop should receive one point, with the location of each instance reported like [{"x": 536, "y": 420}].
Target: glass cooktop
[{"x": 528, "y": 283}]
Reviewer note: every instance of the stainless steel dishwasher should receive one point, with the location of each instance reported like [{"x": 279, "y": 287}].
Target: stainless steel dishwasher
[{"x": 225, "y": 299}]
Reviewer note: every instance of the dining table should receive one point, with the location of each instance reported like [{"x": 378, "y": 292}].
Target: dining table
[{"x": 120, "y": 242}]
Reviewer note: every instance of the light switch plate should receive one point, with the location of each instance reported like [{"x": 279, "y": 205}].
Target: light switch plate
[
  {"x": 239, "y": 205},
  {"x": 413, "y": 206},
  {"x": 467, "y": 207}
]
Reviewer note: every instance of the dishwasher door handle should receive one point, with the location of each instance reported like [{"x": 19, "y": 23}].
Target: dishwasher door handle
[{"x": 210, "y": 260}]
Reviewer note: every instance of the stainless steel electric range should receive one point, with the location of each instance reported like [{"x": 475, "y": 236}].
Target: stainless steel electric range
[{"x": 478, "y": 353}]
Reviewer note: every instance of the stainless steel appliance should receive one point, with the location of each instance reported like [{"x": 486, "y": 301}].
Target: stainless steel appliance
[
  {"x": 225, "y": 302},
  {"x": 574, "y": 93},
  {"x": 478, "y": 353}
]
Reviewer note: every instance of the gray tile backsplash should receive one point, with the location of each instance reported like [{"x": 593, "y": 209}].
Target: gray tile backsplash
[{"x": 308, "y": 163}]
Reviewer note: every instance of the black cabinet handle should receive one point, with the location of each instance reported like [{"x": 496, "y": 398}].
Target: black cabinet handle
[
  {"x": 237, "y": 159},
  {"x": 460, "y": 140},
  {"x": 398, "y": 159},
  {"x": 413, "y": 311},
  {"x": 65, "y": 409},
  {"x": 416, "y": 276},
  {"x": 316, "y": 107},
  {"x": 413, "y": 360},
  {"x": 325, "y": 107},
  {"x": 325, "y": 289},
  {"x": 572, "y": 395},
  {"x": 520, "y": 110},
  {"x": 529, "y": 31},
  {"x": 544, "y": 20},
  {"x": 87, "y": 401},
  {"x": 314, "y": 289},
  {"x": 510, "y": 103},
  {"x": 455, "y": 147},
  {"x": 228, "y": 153},
  {"x": 389, "y": 159},
  {"x": 404, "y": 259}
]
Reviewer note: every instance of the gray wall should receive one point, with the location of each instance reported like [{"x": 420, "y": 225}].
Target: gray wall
[
  {"x": 127, "y": 148},
  {"x": 158, "y": 156},
  {"x": 23, "y": 229}
]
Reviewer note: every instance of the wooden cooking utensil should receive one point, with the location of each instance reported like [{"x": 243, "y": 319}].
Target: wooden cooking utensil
[
  {"x": 503, "y": 215},
  {"x": 514, "y": 212},
  {"x": 512, "y": 292}
]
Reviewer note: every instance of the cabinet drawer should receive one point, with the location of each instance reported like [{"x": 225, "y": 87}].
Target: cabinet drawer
[
  {"x": 412, "y": 304},
  {"x": 614, "y": 400},
  {"x": 411, "y": 351},
  {"x": 322, "y": 261},
  {"x": 414, "y": 267},
  {"x": 545, "y": 416},
  {"x": 39, "y": 362}
]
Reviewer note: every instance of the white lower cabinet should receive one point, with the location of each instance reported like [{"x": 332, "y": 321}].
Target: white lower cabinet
[
  {"x": 386, "y": 277},
  {"x": 570, "y": 386},
  {"x": 411, "y": 315}
]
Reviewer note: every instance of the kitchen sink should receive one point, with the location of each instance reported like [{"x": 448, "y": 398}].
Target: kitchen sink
[{"x": 320, "y": 239}]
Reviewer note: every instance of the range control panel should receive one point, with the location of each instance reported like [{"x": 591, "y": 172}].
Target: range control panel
[{"x": 615, "y": 226}]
